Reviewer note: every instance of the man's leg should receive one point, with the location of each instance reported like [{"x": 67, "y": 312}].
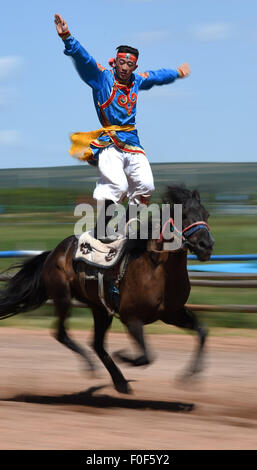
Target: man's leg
[
  {"x": 141, "y": 184},
  {"x": 140, "y": 178},
  {"x": 112, "y": 185}
]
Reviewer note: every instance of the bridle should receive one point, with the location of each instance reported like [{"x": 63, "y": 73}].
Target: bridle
[{"x": 187, "y": 231}]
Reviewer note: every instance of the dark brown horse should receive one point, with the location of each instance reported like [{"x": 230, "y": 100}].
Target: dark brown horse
[{"x": 155, "y": 287}]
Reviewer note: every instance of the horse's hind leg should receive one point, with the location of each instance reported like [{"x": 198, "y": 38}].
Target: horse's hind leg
[
  {"x": 60, "y": 292},
  {"x": 102, "y": 323},
  {"x": 135, "y": 329},
  {"x": 185, "y": 318},
  {"x": 62, "y": 310}
]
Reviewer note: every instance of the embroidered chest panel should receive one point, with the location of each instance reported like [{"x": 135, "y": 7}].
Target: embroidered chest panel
[
  {"x": 127, "y": 101},
  {"x": 121, "y": 95}
]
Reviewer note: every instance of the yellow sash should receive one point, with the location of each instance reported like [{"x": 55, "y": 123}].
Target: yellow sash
[{"x": 81, "y": 140}]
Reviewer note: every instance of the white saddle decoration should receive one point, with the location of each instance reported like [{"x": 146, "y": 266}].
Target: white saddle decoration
[{"x": 96, "y": 253}]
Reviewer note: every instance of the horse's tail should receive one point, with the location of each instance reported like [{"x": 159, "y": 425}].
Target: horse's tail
[{"x": 25, "y": 290}]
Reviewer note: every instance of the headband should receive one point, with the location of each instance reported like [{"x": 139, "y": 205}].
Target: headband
[
  {"x": 123, "y": 55},
  {"x": 127, "y": 55}
]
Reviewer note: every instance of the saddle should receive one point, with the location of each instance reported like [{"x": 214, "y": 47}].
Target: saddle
[
  {"x": 102, "y": 261},
  {"x": 98, "y": 253}
]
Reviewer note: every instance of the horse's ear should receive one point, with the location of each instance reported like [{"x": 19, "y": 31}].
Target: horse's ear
[{"x": 196, "y": 195}]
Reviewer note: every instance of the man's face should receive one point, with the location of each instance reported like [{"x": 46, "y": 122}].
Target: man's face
[{"x": 124, "y": 68}]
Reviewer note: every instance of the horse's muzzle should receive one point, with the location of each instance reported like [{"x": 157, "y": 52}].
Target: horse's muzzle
[{"x": 201, "y": 247}]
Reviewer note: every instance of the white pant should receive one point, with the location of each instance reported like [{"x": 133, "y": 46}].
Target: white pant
[{"x": 123, "y": 174}]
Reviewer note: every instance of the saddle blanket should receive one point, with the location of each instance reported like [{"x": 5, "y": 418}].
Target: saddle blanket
[{"x": 99, "y": 254}]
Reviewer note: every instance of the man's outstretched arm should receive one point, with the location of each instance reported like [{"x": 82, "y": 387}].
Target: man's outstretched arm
[
  {"x": 163, "y": 76},
  {"x": 84, "y": 62}
]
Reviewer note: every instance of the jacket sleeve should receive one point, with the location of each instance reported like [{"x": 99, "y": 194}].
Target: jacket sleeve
[
  {"x": 90, "y": 72},
  {"x": 157, "y": 77}
]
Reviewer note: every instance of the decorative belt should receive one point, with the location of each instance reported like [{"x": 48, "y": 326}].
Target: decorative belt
[{"x": 81, "y": 140}]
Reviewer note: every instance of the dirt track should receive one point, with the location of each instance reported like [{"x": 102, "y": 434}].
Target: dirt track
[{"x": 48, "y": 402}]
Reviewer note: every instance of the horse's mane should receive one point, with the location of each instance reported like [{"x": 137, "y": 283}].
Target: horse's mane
[{"x": 176, "y": 194}]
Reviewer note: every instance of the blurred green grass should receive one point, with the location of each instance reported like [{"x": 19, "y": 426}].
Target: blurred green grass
[{"x": 233, "y": 235}]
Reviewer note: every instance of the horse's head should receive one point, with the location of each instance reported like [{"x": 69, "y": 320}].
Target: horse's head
[{"x": 195, "y": 230}]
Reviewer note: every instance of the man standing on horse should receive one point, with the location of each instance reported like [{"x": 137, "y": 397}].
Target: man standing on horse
[{"x": 115, "y": 148}]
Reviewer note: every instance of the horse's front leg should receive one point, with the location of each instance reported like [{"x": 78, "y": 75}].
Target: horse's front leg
[
  {"x": 135, "y": 329},
  {"x": 102, "y": 322},
  {"x": 185, "y": 318}
]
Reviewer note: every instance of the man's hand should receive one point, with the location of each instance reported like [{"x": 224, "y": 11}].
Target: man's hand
[
  {"x": 61, "y": 25},
  {"x": 184, "y": 70}
]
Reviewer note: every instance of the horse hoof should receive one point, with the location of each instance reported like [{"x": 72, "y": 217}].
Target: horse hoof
[
  {"x": 122, "y": 357},
  {"x": 139, "y": 361},
  {"x": 188, "y": 377},
  {"x": 142, "y": 361},
  {"x": 123, "y": 388}
]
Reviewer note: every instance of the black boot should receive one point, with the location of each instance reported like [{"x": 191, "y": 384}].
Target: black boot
[{"x": 103, "y": 217}]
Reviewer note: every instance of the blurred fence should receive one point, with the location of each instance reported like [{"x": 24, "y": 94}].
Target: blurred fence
[{"x": 226, "y": 275}]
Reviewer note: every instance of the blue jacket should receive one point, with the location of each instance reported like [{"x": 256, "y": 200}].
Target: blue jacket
[{"x": 115, "y": 103}]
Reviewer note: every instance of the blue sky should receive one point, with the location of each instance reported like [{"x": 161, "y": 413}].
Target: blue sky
[{"x": 210, "y": 116}]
